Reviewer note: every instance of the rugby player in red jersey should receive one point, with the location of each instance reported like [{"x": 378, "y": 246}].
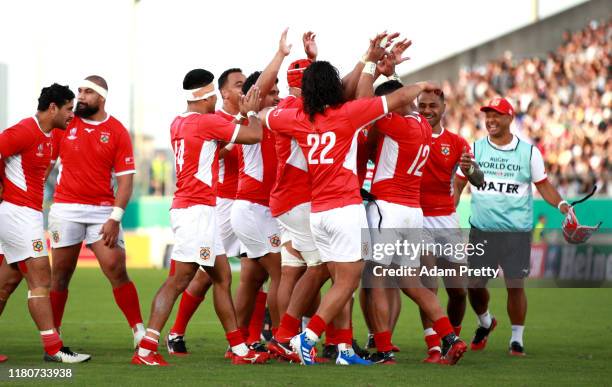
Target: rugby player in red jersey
[
  {"x": 195, "y": 137},
  {"x": 95, "y": 148},
  {"x": 26, "y": 150},
  {"x": 440, "y": 220},
  {"x": 230, "y": 87},
  {"x": 403, "y": 150}
]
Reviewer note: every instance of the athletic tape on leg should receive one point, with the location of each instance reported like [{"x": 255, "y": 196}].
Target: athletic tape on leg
[{"x": 38, "y": 293}]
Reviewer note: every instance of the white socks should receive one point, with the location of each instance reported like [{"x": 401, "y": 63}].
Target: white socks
[
  {"x": 240, "y": 349},
  {"x": 485, "y": 320},
  {"x": 517, "y": 334},
  {"x": 138, "y": 328},
  {"x": 305, "y": 321},
  {"x": 430, "y": 332}
]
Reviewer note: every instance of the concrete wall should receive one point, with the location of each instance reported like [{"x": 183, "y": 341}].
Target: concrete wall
[{"x": 533, "y": 40}]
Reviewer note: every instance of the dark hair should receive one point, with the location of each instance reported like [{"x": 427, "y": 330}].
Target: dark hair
[
  {"x": 98, "y": 80},
  {"x": 57, "y": 94},
  {"x": 224, "y": 75},
  {"x": 197, "y": 78},
  {"x": 251, "y": 80},
  {"x": 388, "y": 87},
  {"x": 321, "y": 87},
  {"x": 437, "y": 92}
]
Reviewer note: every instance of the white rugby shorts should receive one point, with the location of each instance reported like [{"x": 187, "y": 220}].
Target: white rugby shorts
[
  {"x": 441, "y": 231},
  {"x": 338, "y": 233},
  {"x": 22, "y": 233},
  {"x": 194, "y": 231},
  {"x": 399, "y": 223},
  {"x": 230, "y": 241},
  {"x": 255, "y": 228},
  {"x": 71, "y": 223}
]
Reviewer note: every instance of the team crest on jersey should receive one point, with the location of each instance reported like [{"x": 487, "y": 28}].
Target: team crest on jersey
[
  {"x": 72, "y": 135},
  {"x": 204, "y": 253},
  {"x": 445, "y": 149},
  {"x": 274, "y": 240},
  {"x": 56, "y": 236},
  {"x": 105, "y": 137},
  {"x": 39, "y": 151},
  {"x": 37, "y": 245}
]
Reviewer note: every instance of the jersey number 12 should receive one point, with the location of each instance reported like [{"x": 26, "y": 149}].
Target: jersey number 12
[{"x": 416, "y": 166}]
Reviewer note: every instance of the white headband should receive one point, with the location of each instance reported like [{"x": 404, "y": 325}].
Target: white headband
[
  {"x": 95, "y": 87},
  {"x": 200, "y": 93}
]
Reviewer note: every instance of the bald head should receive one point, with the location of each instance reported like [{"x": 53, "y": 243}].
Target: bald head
[{"x": 98, "y": 80}]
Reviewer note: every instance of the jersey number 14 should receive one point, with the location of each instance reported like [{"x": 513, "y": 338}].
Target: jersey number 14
[{"x": 179, "y": 154}]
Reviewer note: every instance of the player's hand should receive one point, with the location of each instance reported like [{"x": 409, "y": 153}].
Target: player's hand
[
  {"x": 310, "y": 46},
  {"x": 466, "y": 162},
  {"x": 386, "y": 66},
  {"x": 398, "y": 50},
  {"x": 110, "y": 233},
  {"x": 430, "y": 86},
  {"x": 377, "y": 47},
  {"x": 283, "y": 47},
  {"x": 250, "y": 101}
]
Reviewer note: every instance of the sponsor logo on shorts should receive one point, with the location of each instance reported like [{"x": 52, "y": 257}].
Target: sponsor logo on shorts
[
  {"x": 38, "y": 245},
  {"x": 55, "y": 235},
  {"x": 104, "y": 137},
  {"x": 275, "y": 240},
  {"x": 445, "y": 149},
  {"x": 204, "y": 253}
]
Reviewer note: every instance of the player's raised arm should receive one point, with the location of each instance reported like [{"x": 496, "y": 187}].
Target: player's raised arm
[
  {"x": 408, "y": 93},
  {"x": 376, "y": 51},
  {"x": 351, "y": 80},
  {"x": 249, "y": 105},
  {"x": 310, "y": 45},
  {"x": 268, "y": 77}
]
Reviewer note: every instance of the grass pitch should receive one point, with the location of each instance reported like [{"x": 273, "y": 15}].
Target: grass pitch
[{"x": 567, "y": 339}]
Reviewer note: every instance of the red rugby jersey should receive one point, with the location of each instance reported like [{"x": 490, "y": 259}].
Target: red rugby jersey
[
  {"x": 437, "y": 183},
  {"x": 292, "y": 186},
  {"x": 403, "y": 149},
  {"x": 228, "y": 167},
  {"x": 330, "y": 146},
  {"x": 90, "y": 152},
  {"x": 195, "y": 139},
  {"x": 26, "y": 151}
]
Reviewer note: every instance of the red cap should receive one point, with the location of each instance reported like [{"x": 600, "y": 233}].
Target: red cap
[
  {"x": 500, "y": 105},
  {"x": 296, "y": 71}
]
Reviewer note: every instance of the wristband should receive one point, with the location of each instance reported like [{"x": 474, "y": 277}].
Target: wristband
[
  {"x": 369, "y": 68},
  {"x": 394, "y": 77},
  {"x": 471, "y": 170},
  {"x": 364, "y": 59},
  {"x": 239, "y": 117},
  {"x": 251, "y": 113},
  {"x": 117, "y": 214},
  {"x": 562, "y": 202}
]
